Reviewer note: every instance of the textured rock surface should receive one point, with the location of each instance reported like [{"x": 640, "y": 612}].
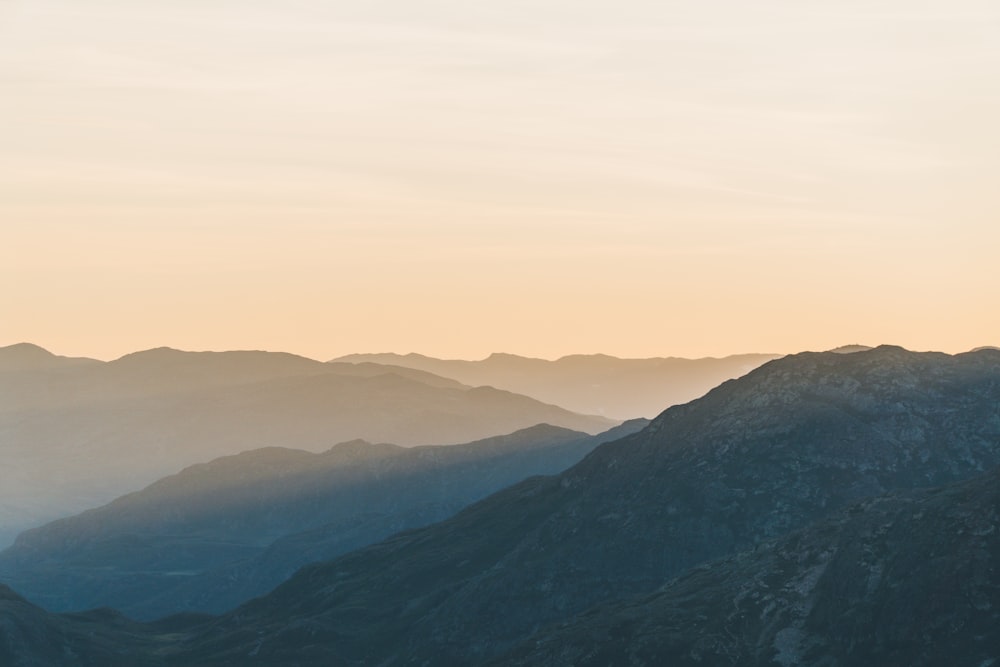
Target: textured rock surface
[{"x": 898, "y": 580}]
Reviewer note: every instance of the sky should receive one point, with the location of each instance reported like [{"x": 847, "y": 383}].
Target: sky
[{"x": 637, "y": 177}]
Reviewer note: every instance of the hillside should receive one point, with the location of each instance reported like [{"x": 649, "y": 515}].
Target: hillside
[
  {"x": 219, "y": 533},
  {"x": 79, "y": 435},
  {"x": 756, "y": 458},
  {"x": 903, "y": 579}
]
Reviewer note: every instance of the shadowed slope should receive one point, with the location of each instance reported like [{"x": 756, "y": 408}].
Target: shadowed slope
[
  {"x": 754, "y": 459},
  {"x": 897, "y": 580},
  {"x": 219, "y": 533},
  {"x": 77, "y": 436}
]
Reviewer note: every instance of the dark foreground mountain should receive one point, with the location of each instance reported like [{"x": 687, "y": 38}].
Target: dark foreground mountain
[
  {"x": 901, "y": 579},
  {"x": 74, "y": 435},
  {"x": 219, "y": 533},
  {"x": 753, "y": 460},
  {"x": 588, "y": 383},
  {"x": 907, "y": 579}
]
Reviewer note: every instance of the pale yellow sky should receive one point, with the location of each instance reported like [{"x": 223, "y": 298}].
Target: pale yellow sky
[{"x": 633, "y": 177}]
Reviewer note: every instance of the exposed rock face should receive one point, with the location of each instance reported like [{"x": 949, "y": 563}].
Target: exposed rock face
[
  {"x": 754, "y": 459},
  {"x": 896, "y": 580},
  {"x": 220, "y": 533}
]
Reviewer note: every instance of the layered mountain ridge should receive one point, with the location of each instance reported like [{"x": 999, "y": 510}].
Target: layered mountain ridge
[
  {"x": 754, "y": 459},
  {"x": 219, "y": 533},
  {"x": 798, "y": 442},
  {"x": 78, "y": 435},
  {"x": 587, "y": 383}
]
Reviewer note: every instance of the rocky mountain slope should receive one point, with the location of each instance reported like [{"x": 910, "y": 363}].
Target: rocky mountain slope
[
  {"x": 904, "y": 579},
  {"x": 756, "y": 458},
  {"x": 588, "y": 383},
  {"x": 219, "y": 533},
  {"x": 75, "y": 435}
]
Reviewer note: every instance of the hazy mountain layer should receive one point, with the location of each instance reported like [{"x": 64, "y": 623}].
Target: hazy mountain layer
[
  {"x": 756, "y": 458},
  {"x": 219, "y": 533},
  {"x": 75, "y": 435},
  {"x": 591, "y": 384},
  {"x": 897, "y": 580},
  {"x": 28, "y": 357}
]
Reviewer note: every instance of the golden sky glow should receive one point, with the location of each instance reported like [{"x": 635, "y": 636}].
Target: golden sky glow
[{"x": 634, "y": 177}]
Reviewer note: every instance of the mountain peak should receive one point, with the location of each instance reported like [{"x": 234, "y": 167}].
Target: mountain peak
[
  {"x": 28, "y": 356},
  {"x": 26, "y": 349}
]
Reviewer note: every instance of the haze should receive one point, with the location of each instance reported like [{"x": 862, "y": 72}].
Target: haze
[{"x": 640, "y": 178}]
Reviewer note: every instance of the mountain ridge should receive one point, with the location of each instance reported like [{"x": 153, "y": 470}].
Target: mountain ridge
[
  {"x": 106, "y": 428},
  {"x": 238, "y": 525},
  {"x": 790, "y": 446},
  {"x": 754, "y": 459},
  {"x": 591, "y": 383}
]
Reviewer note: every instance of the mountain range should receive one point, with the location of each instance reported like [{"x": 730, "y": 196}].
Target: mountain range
[
  {"x": 587, "y": 383},
  {"x": 220, "y": 533},
  {"x": 756, "y": 458},
  {"x": 78, "y": 433},
  {"x": 783, "y": 518}
]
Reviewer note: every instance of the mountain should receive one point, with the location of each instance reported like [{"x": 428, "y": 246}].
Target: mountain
[
  {"x": 756, "y": 458},
  {"x": 900, "y": 579},
  {"x": 28, "y": 357},
  {"x": 591, "y": 384},
  {"x": 79, "y": 435},
  {"x": 787, "y": 446},
  {"x": 904, "y": 579},
  {"x": 219, "y": 533}
]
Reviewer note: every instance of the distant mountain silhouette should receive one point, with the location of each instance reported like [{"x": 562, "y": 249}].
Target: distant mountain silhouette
[
  {"x": 76, "y": 435},
  {"x": 28, "y": 357},
  {"x": 591, "y": 384},
  {"x": 219, "y": 533}
]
